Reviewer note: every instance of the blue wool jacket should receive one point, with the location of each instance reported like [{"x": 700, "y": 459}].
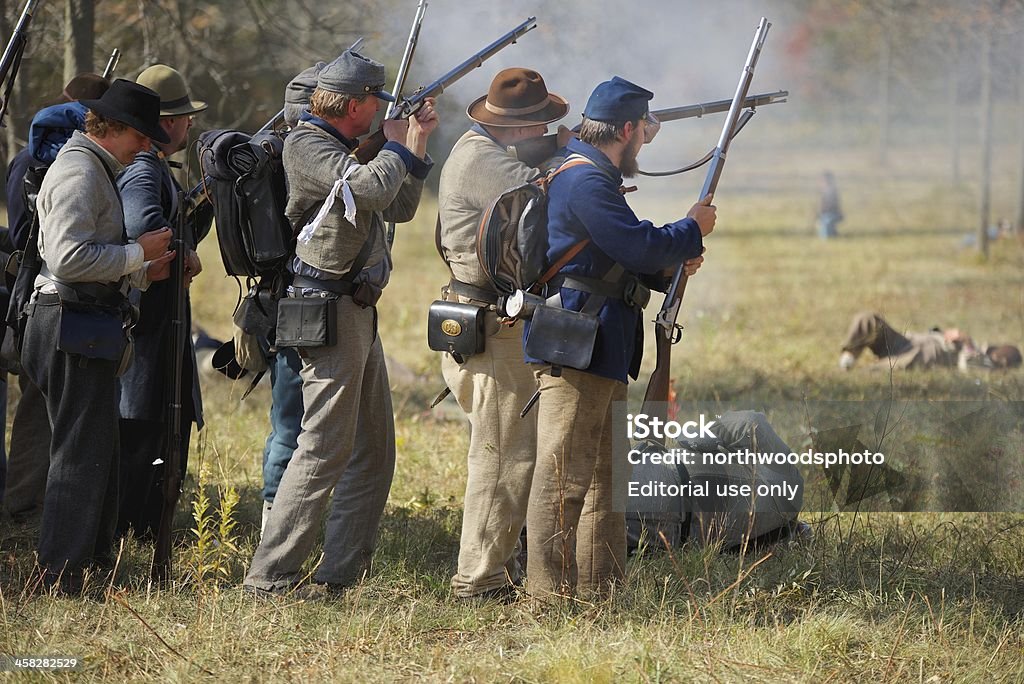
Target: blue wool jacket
[{"x": 584, "y": 202}]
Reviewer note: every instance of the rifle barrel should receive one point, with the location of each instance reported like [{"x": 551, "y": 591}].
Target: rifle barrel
[
  {"x": 115, "y": 57},
  {"x": 410, "y": 50},
  {"x": 17, "y": 37},
  {"x": 408, "y": 107},
  {"x": 701, "y": 108},
  {"x": 11, "y": 60}
]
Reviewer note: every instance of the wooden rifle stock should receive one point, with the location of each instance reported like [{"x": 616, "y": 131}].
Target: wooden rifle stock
[
  {"x": 667, "y": 331},
  {"x": 370, "y": 147}
]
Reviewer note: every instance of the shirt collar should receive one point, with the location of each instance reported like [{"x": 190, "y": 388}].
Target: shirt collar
[
  {"x": 595, "y": 155},
  {"x": 110, "y": 160},
  {"x": 477, "y": 128},
  {"x": 320, "y": 123}
]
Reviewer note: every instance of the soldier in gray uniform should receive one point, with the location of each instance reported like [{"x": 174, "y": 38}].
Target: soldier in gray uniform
[
  {"x": 74, "y": 343},
  {"x": 347, "y": 441},
  {"x": 494, "y": 385}
]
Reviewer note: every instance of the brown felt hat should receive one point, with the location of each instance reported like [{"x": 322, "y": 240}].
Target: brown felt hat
[{"x": 518, "y": 97}]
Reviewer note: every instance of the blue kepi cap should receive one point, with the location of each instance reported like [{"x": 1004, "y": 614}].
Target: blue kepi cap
[{"x": 617, "y": 101}]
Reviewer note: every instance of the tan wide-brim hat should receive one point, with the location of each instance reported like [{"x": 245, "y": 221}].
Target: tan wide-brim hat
[
  {"x": 170, "y": 85},
  {"x": 518, "y": 97}
]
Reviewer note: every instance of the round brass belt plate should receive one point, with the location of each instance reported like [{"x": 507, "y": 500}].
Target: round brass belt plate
[{"x": 451, "y": 328}]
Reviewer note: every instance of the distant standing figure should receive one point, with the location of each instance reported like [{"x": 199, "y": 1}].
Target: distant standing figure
[{"x": 829, "y": 212}]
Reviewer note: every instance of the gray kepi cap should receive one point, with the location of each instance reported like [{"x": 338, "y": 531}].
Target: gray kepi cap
[{"x": 353, "y": 74}]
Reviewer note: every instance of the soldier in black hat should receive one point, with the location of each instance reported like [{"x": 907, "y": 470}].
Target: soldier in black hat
[
  {"x": 150, "y": 194},
  {"x": 342, "y": 264},
  {"x": 76, "y": 338}
]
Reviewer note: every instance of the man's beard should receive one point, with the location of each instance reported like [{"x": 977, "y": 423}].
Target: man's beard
[{"x": 628, "y": 165}]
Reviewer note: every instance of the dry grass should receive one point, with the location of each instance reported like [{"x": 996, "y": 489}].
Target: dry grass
[{"x": 926, "y": 597}]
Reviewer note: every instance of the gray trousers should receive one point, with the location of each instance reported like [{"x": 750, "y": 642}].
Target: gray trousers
[
  {"x": 29, "y": 457},
  {"x": 80, "y": 506},
  {"x": 347, "y": 444},
  {"x": 492, "y": 388}
]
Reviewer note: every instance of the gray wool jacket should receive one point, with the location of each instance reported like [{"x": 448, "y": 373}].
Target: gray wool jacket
[
  {"x": 477, "y": 171},
  {"x": 388, "y": 188},
  {"x": 81, "y": 223}
]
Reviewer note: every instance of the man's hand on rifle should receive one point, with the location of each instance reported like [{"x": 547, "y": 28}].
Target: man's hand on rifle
[
  {"x": 155, "y": 243},
  {"x": 193, "y": 267},
  {"x": 396, "y": 130},
  {"x": 160, "y": 268},
  {"x": 704, "y": 213},
  {"x": 421, "y": 125},
  {"x": 691, "y": 266}
]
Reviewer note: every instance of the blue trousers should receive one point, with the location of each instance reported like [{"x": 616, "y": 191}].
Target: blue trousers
[{"x": 285, "y": 418}]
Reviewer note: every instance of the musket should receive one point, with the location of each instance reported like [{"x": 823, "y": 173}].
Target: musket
[
  {"x": 172, "y": 457},
  {"x": 115, "y": 57},
  {"x": 11, "y": 61},
  {"x": 403, "y": 72},
  {"x": 409, "y": 106},
  {"x": 195, "y": 197},
  {"x": 667, "y": 331},
  {"x": 537, "y": 150}
]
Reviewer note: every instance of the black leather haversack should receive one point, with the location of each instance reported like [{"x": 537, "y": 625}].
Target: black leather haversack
[
  {"x": 94, "y": 331},
  {"x": 456, "y": 328},
  {"x": 562, "y": 337},
  {"x": 307, "y": 322}
]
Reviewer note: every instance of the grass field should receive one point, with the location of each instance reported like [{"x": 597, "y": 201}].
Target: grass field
[{"x": 878, "y": 597}]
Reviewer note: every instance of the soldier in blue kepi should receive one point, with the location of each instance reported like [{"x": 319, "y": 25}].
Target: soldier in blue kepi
[{"x": 574, "y": 535}]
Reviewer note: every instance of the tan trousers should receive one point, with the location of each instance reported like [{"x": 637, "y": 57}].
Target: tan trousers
[
  {"x": 492, "y": 388},
  {"x": 573, "y": 535}
]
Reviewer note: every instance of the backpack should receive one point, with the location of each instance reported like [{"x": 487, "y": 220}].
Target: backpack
[
  {"x": 20, "y": 273},
  {"x": 245, "y": 181},
  {"x": 512, "y": 241}
]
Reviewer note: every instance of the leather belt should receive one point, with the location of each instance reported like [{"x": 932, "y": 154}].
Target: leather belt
[
  {"x": 340, "y": 287},
  {"x": 472, "y": 291},
  {"x": 629, "y": 289}
]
